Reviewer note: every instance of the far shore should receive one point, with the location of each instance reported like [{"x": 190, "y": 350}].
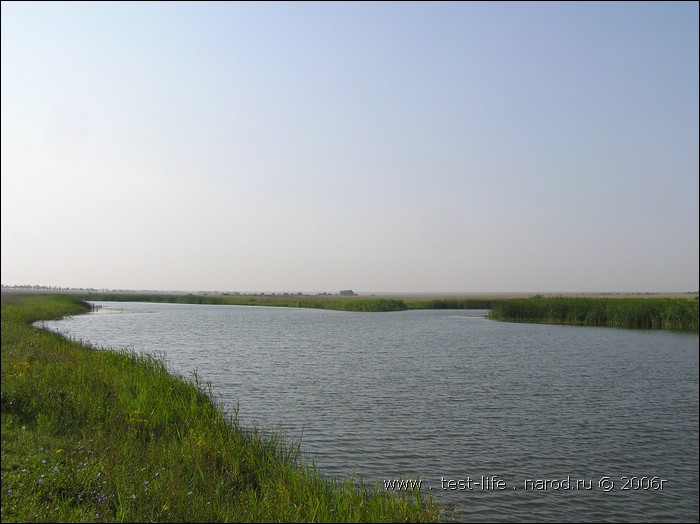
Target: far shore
[{"x": 672, "y": 311}]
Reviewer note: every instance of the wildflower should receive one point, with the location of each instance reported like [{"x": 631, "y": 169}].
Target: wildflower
[
  {"x": 55, "y": 468},
  {"x": 9, "y": 491},
  {"x": 23, "y": 470},
  {"x": 133, "y": 496},
  {"x": 43, "y": 461},
  {"x": 99, "y": 474}
]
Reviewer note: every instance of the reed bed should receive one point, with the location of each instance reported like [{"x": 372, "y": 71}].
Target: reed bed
[
  {"x": 640, "y": 313},
  {"x": 102, "y": 435},
  {"x": 452, "y": 303}
]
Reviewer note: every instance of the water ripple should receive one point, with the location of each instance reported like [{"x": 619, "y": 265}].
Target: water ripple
[{"x": 448, "y": 395}]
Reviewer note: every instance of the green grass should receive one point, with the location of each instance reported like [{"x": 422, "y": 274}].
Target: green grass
[
  {"x": 93, "y": 435},
  {"x": 645, "y": 313}
]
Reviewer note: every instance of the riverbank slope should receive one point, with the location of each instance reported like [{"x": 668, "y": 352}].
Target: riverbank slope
[{"x": 112, "y": 436}]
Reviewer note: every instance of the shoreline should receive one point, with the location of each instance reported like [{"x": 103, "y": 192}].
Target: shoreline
[
  {"x": 112, "y": 436},
  {"x": 638, "y": 312}
]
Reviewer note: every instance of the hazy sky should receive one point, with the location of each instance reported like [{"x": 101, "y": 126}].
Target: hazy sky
[{"x": 462, "y": 147}]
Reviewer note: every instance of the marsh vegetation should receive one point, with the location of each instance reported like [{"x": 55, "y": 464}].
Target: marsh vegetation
[{"x": 638, "y": 313}]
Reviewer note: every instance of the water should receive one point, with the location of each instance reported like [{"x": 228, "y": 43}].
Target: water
[{"x": 555, "y": 413}]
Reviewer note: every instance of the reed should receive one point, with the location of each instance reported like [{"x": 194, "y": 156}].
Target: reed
[
  {"x": 644, "y": 313},
  {"x": 102, "y": 435},
  {"x": 452, "y": 303}
]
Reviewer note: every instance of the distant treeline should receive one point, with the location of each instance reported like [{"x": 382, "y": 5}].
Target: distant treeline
[{"x": 644, "y": 313}]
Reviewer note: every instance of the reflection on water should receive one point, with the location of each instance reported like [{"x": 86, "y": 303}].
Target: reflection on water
[{"x": 556, "y": 419}]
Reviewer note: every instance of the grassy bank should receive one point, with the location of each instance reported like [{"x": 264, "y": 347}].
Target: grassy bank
[
  {"x": 90, "y": 436},
  {"x": 645, "y": 313}
]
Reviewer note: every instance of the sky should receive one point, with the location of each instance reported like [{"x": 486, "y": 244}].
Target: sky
[{"x": 373, "y": 146}]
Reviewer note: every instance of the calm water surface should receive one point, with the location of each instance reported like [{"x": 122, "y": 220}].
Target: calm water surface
[{"x": 449, "y": 396}]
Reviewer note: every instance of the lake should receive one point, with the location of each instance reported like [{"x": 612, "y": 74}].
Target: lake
[{"x": 499, "y": 421}]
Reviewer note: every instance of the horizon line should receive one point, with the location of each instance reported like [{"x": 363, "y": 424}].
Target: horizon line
[{"x": 40, "y": 287}]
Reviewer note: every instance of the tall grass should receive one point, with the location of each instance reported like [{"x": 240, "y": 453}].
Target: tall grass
[
  {"x": 645, "y": 313},
  {"x": 91, "y": 436},
  {"x": 452, "y": 303}
]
